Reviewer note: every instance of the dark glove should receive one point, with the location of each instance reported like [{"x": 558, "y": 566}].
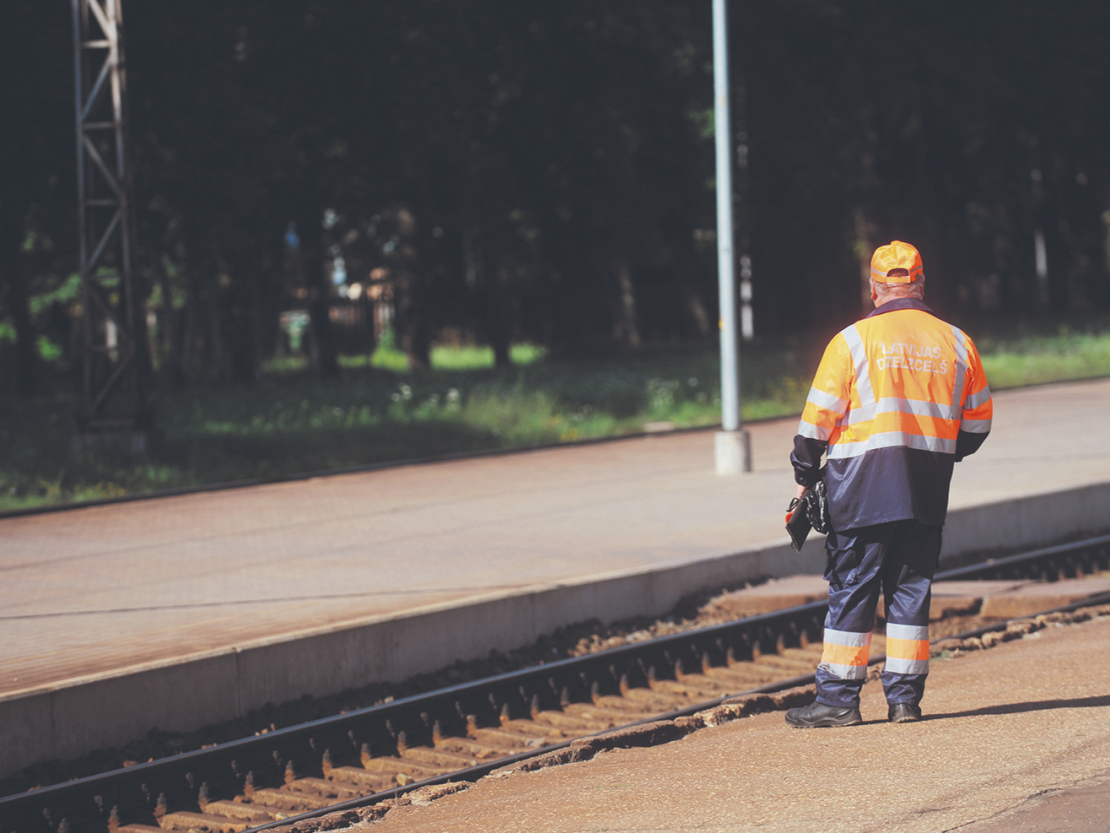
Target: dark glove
[
  {"x": 810, "y": 512},
  {"x": 817, "y": 507}
]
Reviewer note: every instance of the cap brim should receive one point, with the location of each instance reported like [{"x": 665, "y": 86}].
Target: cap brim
[{"x": 881, "y": 278}]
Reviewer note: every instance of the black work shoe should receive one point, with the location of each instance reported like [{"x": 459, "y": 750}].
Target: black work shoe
[
  {"x": 903, "y": 713},
  {"x": 818, "y": 714}
]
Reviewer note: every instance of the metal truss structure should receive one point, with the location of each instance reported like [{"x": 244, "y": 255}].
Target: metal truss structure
[{"x": 113, "y": 380}]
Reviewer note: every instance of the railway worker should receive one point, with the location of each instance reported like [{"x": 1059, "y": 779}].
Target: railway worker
[{"x": 898, "y": 398}]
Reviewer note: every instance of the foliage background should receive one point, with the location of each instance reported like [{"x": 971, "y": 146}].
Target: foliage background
[{"x": 542, "y": 174}]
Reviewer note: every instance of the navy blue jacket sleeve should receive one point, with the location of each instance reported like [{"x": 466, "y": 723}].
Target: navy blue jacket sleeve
[
  {"x": 966, "y": 443},
  {"x": 806, "y": 459}
]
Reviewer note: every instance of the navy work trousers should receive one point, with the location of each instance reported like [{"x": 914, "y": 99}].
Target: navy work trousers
[{"x": 898, "y": 559}]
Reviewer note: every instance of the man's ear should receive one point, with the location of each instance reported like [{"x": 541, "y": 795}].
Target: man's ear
[{"x": 874, "y": 294}]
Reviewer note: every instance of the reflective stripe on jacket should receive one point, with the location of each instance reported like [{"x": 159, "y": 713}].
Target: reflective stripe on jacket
[{"x": 897, "y": 399}]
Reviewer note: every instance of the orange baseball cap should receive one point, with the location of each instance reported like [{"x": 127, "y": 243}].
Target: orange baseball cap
[{"x": 897, "y": 255}]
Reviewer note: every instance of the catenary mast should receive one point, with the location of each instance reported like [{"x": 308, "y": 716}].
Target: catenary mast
[{"x": 113, "y": 411}]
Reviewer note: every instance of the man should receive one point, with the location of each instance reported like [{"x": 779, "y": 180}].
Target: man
[{"x": 899, "y": 398}]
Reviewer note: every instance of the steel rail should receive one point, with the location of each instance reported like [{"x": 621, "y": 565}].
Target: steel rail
[
  {"x": 268, "y": 756},
  {"x": 225, "y": 770},
  {"x": 474, "y": 773}
]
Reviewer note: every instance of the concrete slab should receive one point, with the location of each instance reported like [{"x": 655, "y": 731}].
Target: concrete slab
[
  {"x": 1080, "y": 809},
  {"x": 265, "y": 594},
  {"x": 1033, "y": 598},
  {"x": 995, "y": 599},
  {"x": 1011, "y": 599},
  {"x": 979, "y": 589},
  {"x": 775, "y": 594},
  {"x": 966, "y": 597}
]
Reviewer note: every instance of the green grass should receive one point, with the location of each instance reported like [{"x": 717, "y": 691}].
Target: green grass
[
  {"x": 444, "y": 357},
  {"x": 290, "y": 423},
  {"x": 1034, "y": 359}
]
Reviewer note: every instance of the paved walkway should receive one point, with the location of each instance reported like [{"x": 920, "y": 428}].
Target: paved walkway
[
  {"x": 104, "y": 589},
  {"x": 1016, "y": 740}
]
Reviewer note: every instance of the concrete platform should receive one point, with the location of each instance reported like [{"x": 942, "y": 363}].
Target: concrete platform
[
  {"x": 1006, "y": 599},
  {"x": 180, "y": 612},
  {"x": 1016, "y": 739}
]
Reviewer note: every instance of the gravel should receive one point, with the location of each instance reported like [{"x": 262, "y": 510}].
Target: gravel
[{"x": 572, "y": 641}]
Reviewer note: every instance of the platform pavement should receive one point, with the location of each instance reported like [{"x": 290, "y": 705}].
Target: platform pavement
[
  {"x": 1016, "y": 739},
  {"x": 183, "y": 611}
]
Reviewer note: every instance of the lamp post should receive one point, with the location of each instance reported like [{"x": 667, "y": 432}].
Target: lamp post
[{"x": 732, "y": 443}]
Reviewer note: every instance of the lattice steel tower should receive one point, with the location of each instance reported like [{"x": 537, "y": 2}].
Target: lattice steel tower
[{"x": 113, "y": 409}]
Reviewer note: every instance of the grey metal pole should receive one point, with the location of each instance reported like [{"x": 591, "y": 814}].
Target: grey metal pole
[{"x": 732, "y": 444}]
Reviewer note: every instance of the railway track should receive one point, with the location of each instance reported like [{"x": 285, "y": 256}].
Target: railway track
[{"x": 462, "y": 732}]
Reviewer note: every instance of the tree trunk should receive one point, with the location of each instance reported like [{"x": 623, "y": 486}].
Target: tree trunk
[
  {"x": 236, "y": 302},
  {"x": 192, "y": 337},
  {"x": 479, "y": 256},
  {"x": 171, "y": 340},
  {"x": 493, "y": 308},
  {"x": 13, "y": 272},
  {"x": 323, "y": 353},
  {"x": 411, "y": 325},
  {"x": 218, "y": 363},
  {"x": 864, "y": 248},
  {"x": 695, "y": 311},
  {"x": 628, "y": 331},
  {"x": 413, "y": 335}
]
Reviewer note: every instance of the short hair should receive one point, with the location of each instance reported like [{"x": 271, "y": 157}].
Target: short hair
[{"x": 887, "y": 291}]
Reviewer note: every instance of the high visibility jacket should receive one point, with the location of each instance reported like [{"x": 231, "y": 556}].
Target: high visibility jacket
[{"x": 899, "y": 397}]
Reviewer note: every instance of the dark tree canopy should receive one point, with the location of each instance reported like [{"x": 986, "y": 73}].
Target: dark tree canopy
[{"x": 545, "y": 171}]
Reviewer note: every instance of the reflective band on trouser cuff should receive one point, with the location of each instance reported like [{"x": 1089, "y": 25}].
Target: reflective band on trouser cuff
[
  {"x": 907, "y": 649},
  {"x": 845, "y": 654}
]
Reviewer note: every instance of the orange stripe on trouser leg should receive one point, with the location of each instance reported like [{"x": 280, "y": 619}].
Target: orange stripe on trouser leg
[
  {"x": 845, "y": 654},
  {"x": 907, "y": 648}
]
